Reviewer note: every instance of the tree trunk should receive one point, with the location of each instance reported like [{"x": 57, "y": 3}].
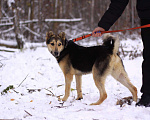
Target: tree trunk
[
  {"x": 31, "y": 18},
  {"x": 40, "y": 16},
  {"x": 132, "y": 15},
  {"x": 20, "y": 43},
  {"x": 0, "y": 9},
  {"x": 92, "y": 14},
  {"x": 56, "y": 15}
]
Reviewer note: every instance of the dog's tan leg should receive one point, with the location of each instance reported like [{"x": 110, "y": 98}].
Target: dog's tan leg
[
  {"x": 68, "y": 80},
  {"x": 100, "y": 84},
  {"x": 78, "y": 86},
  {"x": 120, "y": 75}
]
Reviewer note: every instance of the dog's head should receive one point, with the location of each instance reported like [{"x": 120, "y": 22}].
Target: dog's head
[{"x": 55, "y": 43}]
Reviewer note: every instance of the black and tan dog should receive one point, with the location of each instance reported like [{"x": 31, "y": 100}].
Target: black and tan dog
[{"x": 100, "y": 60}]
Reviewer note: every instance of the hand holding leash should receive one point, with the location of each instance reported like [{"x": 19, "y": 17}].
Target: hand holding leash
[{"x": 97, "y": 32}]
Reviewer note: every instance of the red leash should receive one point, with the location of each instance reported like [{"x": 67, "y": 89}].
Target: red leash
[{"x": 102, "y": 32}]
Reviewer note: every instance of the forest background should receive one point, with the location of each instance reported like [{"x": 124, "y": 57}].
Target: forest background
[{"x": 29, "y": 20}]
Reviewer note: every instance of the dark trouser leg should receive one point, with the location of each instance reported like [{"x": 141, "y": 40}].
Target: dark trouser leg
[
  {"x": 145, "y": 33},
  {"x": 145, "y": 98}
]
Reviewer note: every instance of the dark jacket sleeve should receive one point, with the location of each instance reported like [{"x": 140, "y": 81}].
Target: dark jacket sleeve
[
  {"x": 114, "y": 11},
  {"x": 143, "y": 9}
]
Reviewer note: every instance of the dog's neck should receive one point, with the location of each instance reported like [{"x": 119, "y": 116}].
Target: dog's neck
[{"x": 64, "y": 52}]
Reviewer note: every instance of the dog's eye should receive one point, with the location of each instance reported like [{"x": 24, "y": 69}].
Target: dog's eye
[
  {"x": 59, "y": 44},
  {"x": 52, "y": 44}
]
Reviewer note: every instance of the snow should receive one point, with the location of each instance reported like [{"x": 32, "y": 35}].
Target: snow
[
  {"x": 63, "y": 20},
  {"x": 9, "y": 2},
  {"x": 39, "y": 82},
  {"x": 14, "y": 43}
]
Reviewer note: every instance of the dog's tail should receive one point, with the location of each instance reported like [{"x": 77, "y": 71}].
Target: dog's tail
[{"x": 112, "y": 42}]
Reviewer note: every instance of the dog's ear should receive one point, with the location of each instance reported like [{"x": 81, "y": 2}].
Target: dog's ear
[
  {"x": 48, "y": 36},
  {"x": 62, "y": 35}
]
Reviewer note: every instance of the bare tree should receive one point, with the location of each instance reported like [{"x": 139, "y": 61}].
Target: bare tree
[
  {"x": 31, "y": 18},
  {"x": 0, "y": 9},
  {"x": 16, "y": 25},
  {"x": 40, "y": 15},
  {"x": 92, "y": 13}
]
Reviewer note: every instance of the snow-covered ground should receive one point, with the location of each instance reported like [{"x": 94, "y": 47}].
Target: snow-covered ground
[{"x": 39, "y": 82}]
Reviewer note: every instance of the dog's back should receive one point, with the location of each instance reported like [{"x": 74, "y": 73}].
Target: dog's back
[{"x": 83, "y": 58}]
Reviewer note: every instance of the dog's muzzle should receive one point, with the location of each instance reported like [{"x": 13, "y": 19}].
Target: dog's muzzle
[{"x": 55, "y": 54}]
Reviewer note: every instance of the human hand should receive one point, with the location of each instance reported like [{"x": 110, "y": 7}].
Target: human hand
[{"x": 96, "y": 32}]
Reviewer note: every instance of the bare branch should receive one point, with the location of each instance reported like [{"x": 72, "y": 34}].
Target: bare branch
[
  {"x": 6, "y": 15},
  {"x": 50, "y": 91},
  {"x": 7, "y": 50},
  {"x": 36, "y": 34},
  {"x": 23, "y": 81},
  {"x": 28, "y": 113},
  {"x": 46, "y": 20},
  {"x": 8, "y": 30}
]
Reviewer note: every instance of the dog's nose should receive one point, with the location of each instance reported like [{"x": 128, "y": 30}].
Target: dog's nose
[{"x": 56, "y": 53}]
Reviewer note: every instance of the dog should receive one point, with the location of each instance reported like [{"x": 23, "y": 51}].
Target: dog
[{"x": 77, "y": 60}]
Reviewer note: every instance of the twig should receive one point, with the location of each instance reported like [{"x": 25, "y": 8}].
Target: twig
[
  {"x": 36, "y": 34},
  {"x": 28, "y": 113},
  {"x": 23, "y": 81},
  {"x": 49, "y": 91},
  {"x": 8, "y": 50},
  {"x": 60, "y": 106},
  {"x": 5, "y": 31},
  {"x": 15, "y": 91},
  {"x": 1, "y": 65}
]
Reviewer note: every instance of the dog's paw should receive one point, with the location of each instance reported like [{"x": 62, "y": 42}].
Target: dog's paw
[
  {"x": 64, "y": 98},
  {"x": 61, "y": 99},
  {"x": 94, "y": 104},
  {"x": 79, "y": 98}
]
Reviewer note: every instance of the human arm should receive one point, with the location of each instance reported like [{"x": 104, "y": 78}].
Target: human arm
[{"x": 114, "y": 11}]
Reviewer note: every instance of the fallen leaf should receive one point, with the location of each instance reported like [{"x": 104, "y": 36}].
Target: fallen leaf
[
  {"x": 12, "y": 99},
  {"x": 72, "y": 89},
  {"x": 10, "y": 92}
]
